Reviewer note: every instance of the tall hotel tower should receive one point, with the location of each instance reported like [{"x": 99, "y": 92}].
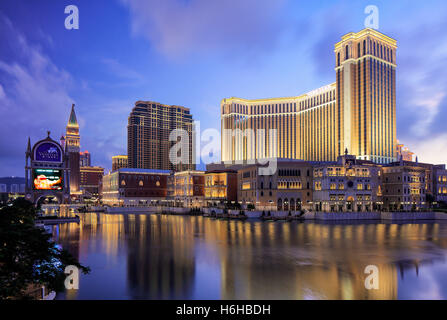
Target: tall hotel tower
[
  {"x": 148, "y": 130},
  {"x": 356, "y": 113},
  {"x": 72, "y": 142}
]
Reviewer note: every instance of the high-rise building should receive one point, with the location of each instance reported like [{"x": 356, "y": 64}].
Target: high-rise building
[
  {"x": 72, "y": 142},
  {"x": 119, "y": 162},
  {"x": 357, "y": 112},
  {"x": 148, "y": 130},
  {"x": 85, "y": 159}
]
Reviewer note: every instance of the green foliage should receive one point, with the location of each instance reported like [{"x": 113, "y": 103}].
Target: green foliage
[{"x": 27, "y": 254}]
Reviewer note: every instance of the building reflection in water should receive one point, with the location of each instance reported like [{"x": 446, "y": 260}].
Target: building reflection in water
[
  {"x": 160, "y": 257},
  {"x": 177, "y": 257}
]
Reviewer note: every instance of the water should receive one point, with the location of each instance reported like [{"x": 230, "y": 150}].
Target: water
[{"x": 180, "y": 257}]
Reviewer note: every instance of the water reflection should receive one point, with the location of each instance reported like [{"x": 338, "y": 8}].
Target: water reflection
[{"x": 176, "y": 257}]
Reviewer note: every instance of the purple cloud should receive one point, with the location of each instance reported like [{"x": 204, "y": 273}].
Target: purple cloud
[
  {"x": 177, "y": 28},
  {"x": 33, "y": 96}
]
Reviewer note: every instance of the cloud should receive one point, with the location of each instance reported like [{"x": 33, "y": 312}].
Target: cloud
[
  {"x": 421, "y": 80},
  {"x": 177, "y": 28},
  {"x": 119, "y": 70},
  {"x": 37, "y": 97},
  {"x": 430, "y": 150},
  {"x": 2, "y": 93}
]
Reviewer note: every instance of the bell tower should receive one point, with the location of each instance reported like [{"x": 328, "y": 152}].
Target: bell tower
[{"x": 72, "y": 145}]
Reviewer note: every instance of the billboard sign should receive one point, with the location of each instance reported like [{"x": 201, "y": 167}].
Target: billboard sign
[
  {"x": 47, "y": 179},
  {"x": 48, "y": 152}
]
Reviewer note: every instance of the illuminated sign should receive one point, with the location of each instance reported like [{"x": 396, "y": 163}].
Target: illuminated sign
[
  {"x": 47, "y": 179},
  {"x": 48, "y": 152}
]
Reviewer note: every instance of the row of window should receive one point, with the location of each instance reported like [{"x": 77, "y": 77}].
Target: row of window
[
  {"x": 284, "y": 107},
  {"x": 374, "y": 48}
]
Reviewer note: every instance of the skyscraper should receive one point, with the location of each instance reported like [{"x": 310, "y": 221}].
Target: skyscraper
[
  {"x": 72, "y": 141},
  {"x": 149, "y": 126},
  {"x": 357, "y": 112}
]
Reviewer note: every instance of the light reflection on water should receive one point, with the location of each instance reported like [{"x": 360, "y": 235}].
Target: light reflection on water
[{"x": 180, "y": 257}]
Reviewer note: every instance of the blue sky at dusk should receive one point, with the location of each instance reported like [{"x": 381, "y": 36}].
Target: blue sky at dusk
[{"x": 194, "y": 53}]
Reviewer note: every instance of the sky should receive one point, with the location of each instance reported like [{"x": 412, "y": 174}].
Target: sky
[{"x": 195, "y": 53}]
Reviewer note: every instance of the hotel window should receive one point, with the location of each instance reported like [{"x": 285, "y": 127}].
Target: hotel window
[
  {"x": 333, "y": 186},
  {"x": 359, "y": 186},
  {"x": 346, "y": 53},
  {"x": 338, "y": 59},
  {"x": 341, "y": 186}
]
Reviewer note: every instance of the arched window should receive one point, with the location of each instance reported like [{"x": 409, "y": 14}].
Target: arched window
[
  {"x": 292, "y": 204},
  {"x": 279, "y": 204},
  {"x": 286, "y": 204}
]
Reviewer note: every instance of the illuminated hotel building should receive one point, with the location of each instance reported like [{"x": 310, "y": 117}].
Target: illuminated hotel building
[
  {"x": 357, "y": 112},
  {"x": 148, "y": 130}
]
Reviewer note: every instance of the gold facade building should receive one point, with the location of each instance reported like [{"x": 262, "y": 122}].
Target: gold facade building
[{"x": 357, "y": 112}]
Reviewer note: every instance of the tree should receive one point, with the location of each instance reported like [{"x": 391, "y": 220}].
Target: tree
[
  {"x": 27, "y": 254},
  {"x": 430, "y": 199}
]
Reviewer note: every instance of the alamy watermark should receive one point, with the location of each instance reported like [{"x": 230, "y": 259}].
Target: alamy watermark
[
  {"x": 372, "y": 20},
  {"x": 72, "y": 280},
  {"x": 372, "y": 280},
  {"x": 72, "y": 20},
  {"x": 250, "y": 147}
]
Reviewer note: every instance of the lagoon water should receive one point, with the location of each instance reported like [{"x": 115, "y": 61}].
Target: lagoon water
[{"x": 181, "y": 257}]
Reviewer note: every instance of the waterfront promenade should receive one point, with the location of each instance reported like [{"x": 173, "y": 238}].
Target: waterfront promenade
[{"x": 254, "y": 214}]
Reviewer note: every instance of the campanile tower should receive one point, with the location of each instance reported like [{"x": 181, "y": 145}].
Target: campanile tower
[{"x": 72, "y": 142}]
